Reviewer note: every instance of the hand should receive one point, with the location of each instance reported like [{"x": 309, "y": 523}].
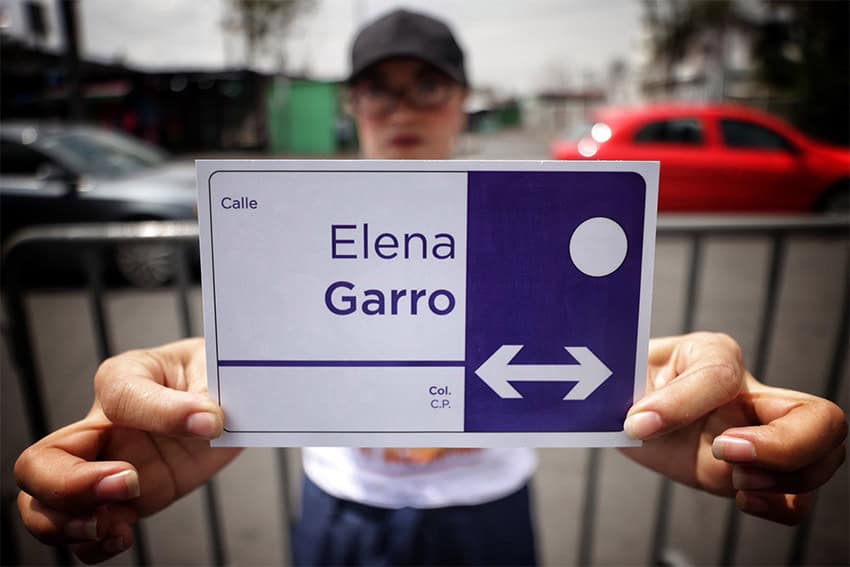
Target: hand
[
  {"x": 143, "y": 445},
  {"x": 709, "y": 424}
]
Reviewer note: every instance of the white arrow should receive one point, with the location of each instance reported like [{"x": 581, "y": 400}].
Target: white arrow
[{"x": 497, "y": 372}]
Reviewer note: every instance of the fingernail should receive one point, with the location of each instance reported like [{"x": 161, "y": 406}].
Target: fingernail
[
  {"x": 643, "y": 424},
  {"x": 203, "y": 424},
  {"x": 82, "y": 528},
  {"x": 751, "y": 479},
  {"x": 752, "y": 503},
  {"x": 733, "y": 449},
  {"x": 118, "y": 486},
  {"x": 114, "y": 545}
]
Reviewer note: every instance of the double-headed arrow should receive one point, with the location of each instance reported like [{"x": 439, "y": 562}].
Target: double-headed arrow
[{"x": 497, "y": 372}]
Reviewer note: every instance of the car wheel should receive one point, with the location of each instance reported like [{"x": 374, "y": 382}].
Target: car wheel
[
  {"x": 837, "y": 199},
  {"x": 146, "y": 264}
]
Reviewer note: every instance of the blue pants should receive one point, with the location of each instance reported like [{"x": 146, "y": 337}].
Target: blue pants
[{"x": 333, "y": 531}]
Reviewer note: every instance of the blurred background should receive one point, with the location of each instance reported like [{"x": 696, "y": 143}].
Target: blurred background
[
  {"x": 104, "y": 105},
  {"x": 238, "y": 75}
]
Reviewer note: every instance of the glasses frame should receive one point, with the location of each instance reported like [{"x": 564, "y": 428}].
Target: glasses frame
[{"x": 355, "y": 96}]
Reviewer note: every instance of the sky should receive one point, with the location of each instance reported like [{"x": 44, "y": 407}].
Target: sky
[{"x": 514, "y": 46}]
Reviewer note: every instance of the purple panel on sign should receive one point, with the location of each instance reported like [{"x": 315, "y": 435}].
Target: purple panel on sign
[{"x": 524, "y": 289}]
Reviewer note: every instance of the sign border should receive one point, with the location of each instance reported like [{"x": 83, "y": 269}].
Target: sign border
[{"x": 207, "y": 169}]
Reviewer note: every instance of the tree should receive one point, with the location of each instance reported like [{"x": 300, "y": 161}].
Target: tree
[
  {"x": 803, "y": 53},
  {"x": 800, "y": 51},
  {"x": 678, "y": 26},
  {"x": 265, "y": 23}
]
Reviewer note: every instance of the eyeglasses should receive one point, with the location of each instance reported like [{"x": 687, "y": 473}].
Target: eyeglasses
[{"x": 376, "y": 100}]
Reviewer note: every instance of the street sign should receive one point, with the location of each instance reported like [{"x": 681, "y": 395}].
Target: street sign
[{"x": 438, "y": 303}]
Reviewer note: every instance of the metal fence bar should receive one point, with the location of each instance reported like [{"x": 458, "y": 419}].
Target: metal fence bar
[
  {"x": 588, "y": 509},
  {"x": 285, "y": 505},
  {"x": 9, "y": 554},
  {"x": 665, "y": 493},
  {"x": 756, "y": 225},
  {"x": 22, "y": 354},
  {"x": 839, "y": 354},
  {"x": 218, "y": 550},
  {"x": 778, "y": 251},
  {"x": 662, "y": 521},
  {"x": 797, "y": 555},
  {"x": 100, "y": 236},
  {"x": 94, "y": 276},
  {"x": 182, "y": 280},
  {"x": 694, "y": 276}
]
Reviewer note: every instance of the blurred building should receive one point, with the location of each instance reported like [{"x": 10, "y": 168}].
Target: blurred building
[
  {"x": 715, "y": 66},
  {"x": 559, "y": 110},
  {"x": 182, "y": 110},
  {"x": 489, "y": 111},
  {"x": 740, "y": 51},
  {"x": 43, "y": 78}
]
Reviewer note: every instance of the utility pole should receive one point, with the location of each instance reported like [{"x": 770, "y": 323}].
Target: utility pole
[{"x": 68, "y": 16}]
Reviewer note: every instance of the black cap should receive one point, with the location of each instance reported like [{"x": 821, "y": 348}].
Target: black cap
[{"x": 403, "y": 33}]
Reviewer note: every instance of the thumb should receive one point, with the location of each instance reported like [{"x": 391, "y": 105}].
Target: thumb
[
  {"x": 703, "y": 372},
  {"x": 131, "y": 391}
]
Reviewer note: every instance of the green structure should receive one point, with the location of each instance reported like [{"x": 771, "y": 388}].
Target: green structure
[{"x": 302, "y": 117}]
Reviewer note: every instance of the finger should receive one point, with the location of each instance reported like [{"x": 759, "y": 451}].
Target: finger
[
  {"x": 56, "y": 472},
  {"x": 53, "y": 527},
  {"x": 798, "y": 430},
  {"x": 708, "y": 373},
  {"x": 661, "y": 361},
  {"x": 137, "y": 390},
  {"x": 48, "y": 526},
  {"x": 118, "y": 541},
  {"x": 804, "y": 480},
  {"x": 189, "y": 357},
  {"x": 789, "y": 509},
  {"x": 661, "y": 349}
]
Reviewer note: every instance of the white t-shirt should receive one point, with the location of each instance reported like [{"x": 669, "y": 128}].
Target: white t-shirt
[{"x": 377, "y": 477}]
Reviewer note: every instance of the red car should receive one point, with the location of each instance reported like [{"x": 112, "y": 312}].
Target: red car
[{"x": 719, "y": 158}]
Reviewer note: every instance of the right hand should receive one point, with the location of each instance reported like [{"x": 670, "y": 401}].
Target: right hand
[{"x": 143, "y": 445}]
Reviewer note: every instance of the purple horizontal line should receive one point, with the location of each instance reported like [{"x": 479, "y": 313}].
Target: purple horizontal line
[{"x": 341, "y": 363}]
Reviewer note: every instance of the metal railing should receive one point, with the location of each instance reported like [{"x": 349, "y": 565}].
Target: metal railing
[
  {"x": 91, "y": 244},
  {"x": 779, "y": 230}
]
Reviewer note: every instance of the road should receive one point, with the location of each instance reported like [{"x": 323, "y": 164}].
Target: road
[{"x": 729, "y": 298}]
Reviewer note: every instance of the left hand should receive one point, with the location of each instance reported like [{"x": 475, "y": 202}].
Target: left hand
[
  {"x": 141, "y": 447},
  {"x": 710, "y": 424}
]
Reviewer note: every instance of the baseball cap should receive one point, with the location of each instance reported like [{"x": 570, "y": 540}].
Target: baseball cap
[{"x": 403, "y": 33}]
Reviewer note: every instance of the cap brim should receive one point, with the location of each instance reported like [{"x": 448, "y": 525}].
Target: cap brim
[{"x": 453, "y": 73}]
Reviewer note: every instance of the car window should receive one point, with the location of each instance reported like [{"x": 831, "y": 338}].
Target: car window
[
  {"x": 743, "y": 134},
  {"x": 678, "y": 131},
  {"x": 102, "y": 153},
  {"x": 18, "y": 159}
]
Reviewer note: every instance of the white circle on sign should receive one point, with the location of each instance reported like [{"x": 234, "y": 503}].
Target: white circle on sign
[{"x": 598, "y": 247}]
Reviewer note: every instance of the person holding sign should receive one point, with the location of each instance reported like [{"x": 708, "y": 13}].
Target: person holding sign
[{"x": 706, "y": 421}]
